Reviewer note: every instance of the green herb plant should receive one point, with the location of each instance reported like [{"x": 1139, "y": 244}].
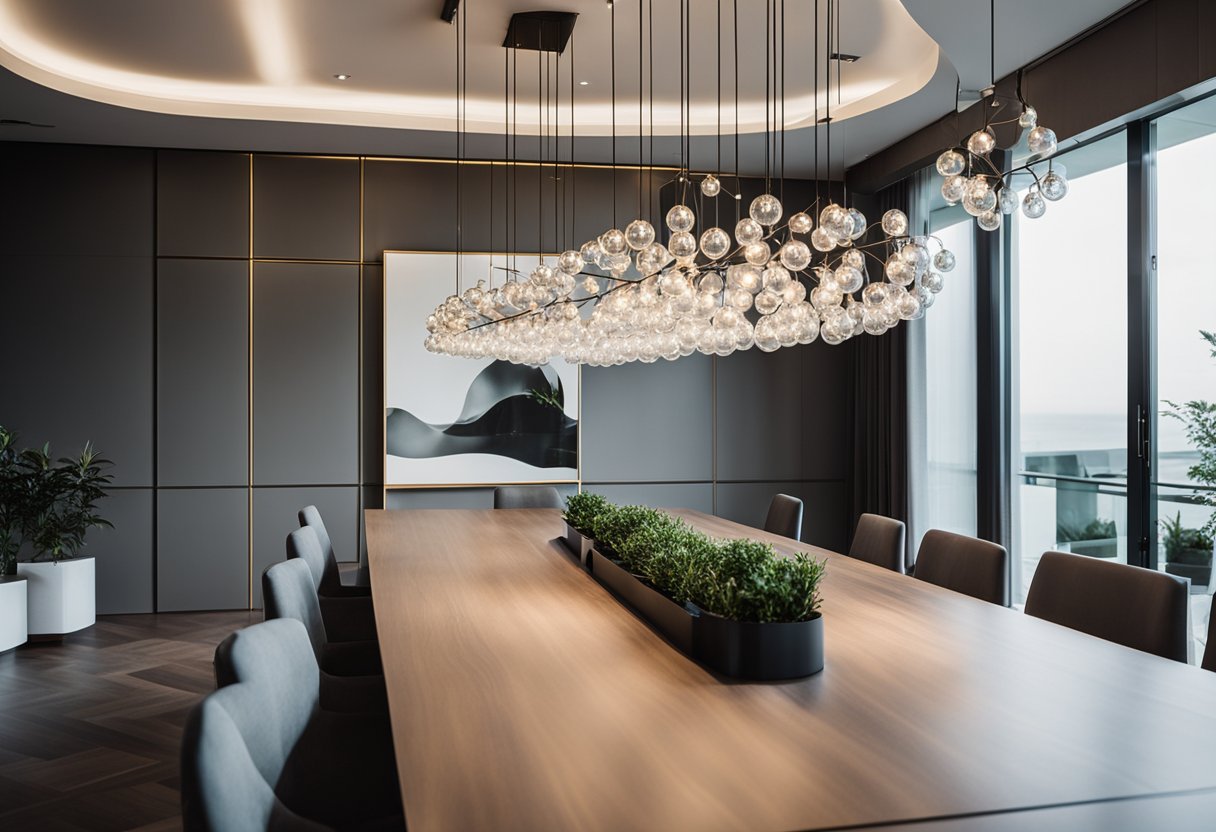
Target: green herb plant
[
  {"x": 1198, "y": 418},
  {"x": 1183, "y": 545}
]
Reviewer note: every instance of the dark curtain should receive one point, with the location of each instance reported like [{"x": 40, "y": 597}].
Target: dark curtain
[{"x": 879, "y": 404}]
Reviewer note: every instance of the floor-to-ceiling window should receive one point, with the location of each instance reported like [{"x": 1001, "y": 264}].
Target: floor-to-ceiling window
[{"x": 1069, "y": 373}]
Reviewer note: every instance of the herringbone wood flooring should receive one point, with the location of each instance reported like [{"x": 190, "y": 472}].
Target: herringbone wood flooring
[{"x": 90, "y": 729}]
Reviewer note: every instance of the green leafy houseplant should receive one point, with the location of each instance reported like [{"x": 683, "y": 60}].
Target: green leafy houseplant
[
  {"x": 1188, "y": 546},
  {"x": 1199, "y": 421},
  {"x": 1096, "y": 529},
  {"x": 583, "y": 508},
  {"x": 10, "y": 494}
]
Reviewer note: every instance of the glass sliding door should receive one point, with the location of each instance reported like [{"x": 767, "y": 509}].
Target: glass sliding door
[
  {"x": 1070, "y": 369},
  {"x": 1184, "y": 365}
]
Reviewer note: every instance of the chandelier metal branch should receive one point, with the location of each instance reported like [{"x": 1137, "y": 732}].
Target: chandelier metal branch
[{"x": 777, "y": 281}]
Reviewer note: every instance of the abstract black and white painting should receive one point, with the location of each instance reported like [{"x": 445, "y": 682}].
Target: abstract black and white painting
[{"x": 461, "y": 421}]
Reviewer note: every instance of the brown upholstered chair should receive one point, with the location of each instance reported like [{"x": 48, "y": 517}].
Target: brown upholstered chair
[
  {"x": 527, "y": 496},
  {"x": 879, "y": 540},
  {"x": 784, "y": 517},
  {"x": 964, "y": 564},
  {"x": 1135, "y": 607},
  {"x": 1209, "y": 651}
]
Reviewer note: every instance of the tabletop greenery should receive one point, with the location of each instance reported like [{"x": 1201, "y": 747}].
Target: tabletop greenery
[
  {"x": 48, "y": 504},
  {"x": 744, "y": 580}
]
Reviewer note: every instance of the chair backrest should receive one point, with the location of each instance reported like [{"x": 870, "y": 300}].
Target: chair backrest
[
  {"x": 784, "y": 516},
  {"x": 964, "y": 564},
  {"x": 304, "y": 544},
  {"x": 328, "y": 578},
  {"x": 288, "y": 592},
  {"x": 1209, "y": 650},
  {"x": 1138, "y": 608},
  {"x": 527, "y": 496},
  {"x": 881, "y": 541},
  {"x": 237, "y": 740}
]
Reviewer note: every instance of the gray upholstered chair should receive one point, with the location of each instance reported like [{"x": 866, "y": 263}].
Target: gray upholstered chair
[
  {"x": 1209, "y": 650},
  {"x": 881, "y": 541},
  {"x": 261, "y": 754},
  {"x": 328, "y": 577},
  {"x": 964, "y": 564},
  {"x": 287, "y": 592},
  {"x": 527, "y": 496},
  {"x": 347, "y": 618},
  {"x": 784, "y": 516},
  {"x": 1138, "y": 608}
]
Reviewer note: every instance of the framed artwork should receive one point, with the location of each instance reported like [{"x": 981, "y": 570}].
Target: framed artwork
[{"x": 461, "y": 421}]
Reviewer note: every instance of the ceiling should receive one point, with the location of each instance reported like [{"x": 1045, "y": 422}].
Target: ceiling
[{"x": 259, "y": 75}]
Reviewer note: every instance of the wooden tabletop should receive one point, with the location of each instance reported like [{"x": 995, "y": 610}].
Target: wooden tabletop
[{"x": 524, "y": 696}]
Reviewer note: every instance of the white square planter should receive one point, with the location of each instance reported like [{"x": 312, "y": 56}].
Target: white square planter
[
  {"x": 62, "y": 595},
  {"x": 13, "y": 627}
]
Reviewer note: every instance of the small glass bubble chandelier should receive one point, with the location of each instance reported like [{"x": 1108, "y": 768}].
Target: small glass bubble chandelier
[
  {"x": 971, "y": 177},
  {"x": 773, "y": 280}
]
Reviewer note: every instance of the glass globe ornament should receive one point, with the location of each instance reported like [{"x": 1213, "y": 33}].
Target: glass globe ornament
[
  {"x": 1007, "y": 200},
  {"x": 907, "y": 306},
  {"x": 944, "y": 260},
  {"x": 775, "y": 277},
  {"x": 979, "y": 200},
  {"x": 653, "y": 258},
  {"x": 1029, "y": 117},
  {"x": 590, "y": 285},
  {"x": 925, "y": 296},
  {"x": 874, "y": 294},
  {"x": 801, "y": 223},
  {"x": 1053, "y": 186},
  {"x": 822, "y": 240},
  {"x": 895, "y": 223},
  {"x": 951, "y": 163},
  {"x": 757, "y": 253},
  {"x": 915, "y": 255},
  {"x": 639, "y": 234},
  {"x": 836, "y": 221},
  {"x": 825, "y": 297},
  {"x": 767, "y": 302},
  {"x": 737, "y": 299},
  {"x": 794, "y": 293},
  {"x": 1034, "y": 206},
  {"x": 747, "y": 230},
  {"x": 933, "y": 282},
  {"x": 618, "y": 264},
  {"x": 711, "y": 186},
  {"x": 681, "y": 218},
  {"x": 682, "y": 244},
  {"x": 613, "y": 242},
  {"x": 954, "y": 188},
  {"x": 849, "y": 279},
  {"x": 715, "y": 243},
  {"x": 711, "y": 283},
  {"x": 982, "y": 142},
  {"x": 899, "y": 271},
  {"x": 570, "y": 262},
  {"x": 795, "y": 255},
  {"x": 766, "y": 209},
  {"x": 590, "y": 251},
  {"x": 853, "y": 259},
  {"x": 989, "y": 220},
  {"x": 1041, "y": 141},
  {"x": 859, "y": 224},
  {"x": 744, "y": 276}
]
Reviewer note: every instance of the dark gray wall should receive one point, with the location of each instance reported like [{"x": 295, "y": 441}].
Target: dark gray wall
[{"x": 212, "y": 321}]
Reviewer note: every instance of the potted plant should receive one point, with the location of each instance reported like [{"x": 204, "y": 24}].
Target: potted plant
[
  {"x": 582, "y": 511},
  {"x": 1188, "y": 552},
  {"x": 1097, "y": 539},
  {"x": 57, "y": 506},
  {"x": 1198, "y": 419},
  {"x": 14, "y": 629}
]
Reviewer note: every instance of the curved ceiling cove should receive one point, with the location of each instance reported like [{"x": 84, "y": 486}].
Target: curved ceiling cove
[{"x": 277, "y": 60}]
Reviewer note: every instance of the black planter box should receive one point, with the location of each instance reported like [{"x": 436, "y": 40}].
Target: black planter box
[
  {"x": 578, "y": 544},
  {"x": 739, "y": 649},
  {"x": 673, "y": 621},
  {"x": 759, "y": 652}
]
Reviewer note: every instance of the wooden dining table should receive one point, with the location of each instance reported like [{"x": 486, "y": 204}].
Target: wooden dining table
[{"x": 524, "y": 696}]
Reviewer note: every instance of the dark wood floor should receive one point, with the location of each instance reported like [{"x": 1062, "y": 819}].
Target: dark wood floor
[{"x": 90, "y": 728}]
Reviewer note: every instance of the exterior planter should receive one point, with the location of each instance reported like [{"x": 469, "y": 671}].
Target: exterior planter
[
  {"x": 1106, "y": 547},
  {"x": 579, "y": 545},
  {"x": 1190, "y": 564},
  {"x": 739, "y": 649},
  {"x": 62, "y": 595},
  {"x": 14, "y": 629}
]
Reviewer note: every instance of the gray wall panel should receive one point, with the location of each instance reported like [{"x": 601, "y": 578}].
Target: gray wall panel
[
  {"x": 373, "y": 375},
  {"x": 410, "y": 498},
  {"x": 825, "y": 382},
  {"x": 306, "y": 374},
  {"x": 202, "y": 204},
  {"x": 305, "y": 208},
  {"x": 648, "y": 421},
  {"x": 84, "y": 373},
  {"x": 759, "y": 415},
  {"x": 124, "y": 553},
  {"x": 77, "y": 200},
  {"x": 202, "y": 372},
  {"x": 696, "y": 495},
  {"x": 202, "y": 545},
  {"x": 274, "y": 517},
  {"x": 824, "y": 518}
]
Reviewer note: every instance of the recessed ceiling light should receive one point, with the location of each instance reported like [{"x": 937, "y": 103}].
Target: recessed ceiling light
[
  {"x": 342, "y": 76},
  {"x": 583, "y": 83}
]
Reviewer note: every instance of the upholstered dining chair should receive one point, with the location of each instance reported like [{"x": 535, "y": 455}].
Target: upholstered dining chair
[
  {"x": 347, "y": 617},
  {"x": 1138, "y": 608},
  {"x": 527, "y": 496},
  {"x": 287, "y": 592},
  {"x": 329, "y": 577},
  {"x": 784, "y": 516},
  {"x": 964, "y": 564},
  {"x": 881, "y": 541},
  {"x": 261, "y": 754}
]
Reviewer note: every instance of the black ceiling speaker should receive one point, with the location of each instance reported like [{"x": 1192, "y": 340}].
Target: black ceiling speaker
[{"x": 540, "y": 31}]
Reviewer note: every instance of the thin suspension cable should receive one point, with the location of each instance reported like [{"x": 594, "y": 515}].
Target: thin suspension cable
[
  {"x": 650, "y": 80},
  {"x": 767, "y": 69},
  {"x": 573, "y": 168},
  {"x": 738, "y": 183},
  {"x": 782, "y": 44},
  {"x": 456, "y": 32},
  {"x": 641, "y": 122},
  {"x": 718, "y": 112},
  {"x": 540, "y": 156},
  {"x": 815, "y": 137},
  {"x": 612, "y": 47}
]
